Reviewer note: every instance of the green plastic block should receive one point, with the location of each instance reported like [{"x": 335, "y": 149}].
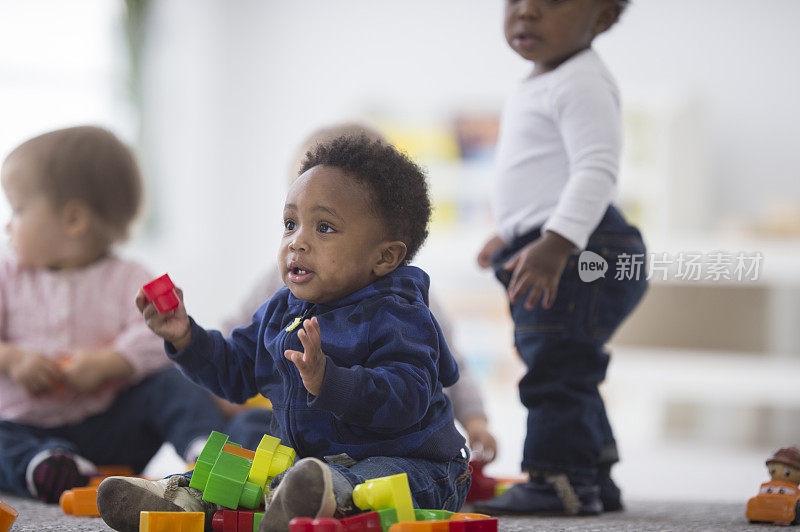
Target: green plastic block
[
  {"x": 432, "y": 515},
  {"x": 388, "y": 518},
  {"x": 252, "y": 496},
  {"x": 208, "y": 456},
  {"x": 257, "y": 520},
  {"x": 227, "y": 480}
]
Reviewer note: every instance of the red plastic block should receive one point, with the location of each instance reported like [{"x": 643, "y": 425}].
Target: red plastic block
[
  {"x": 226, "y": 521},
  {"x": 245, "y": 522},
  {"x": 482, "y": 487},
  {"x": 161, "y": 292},
  {"x": 323, "y": 524},
  {"x": 474, "y": 525},
  {"x": 301, "y": 524},
  {"x": 368, "y": 522},
  {"x": 218, "y": 520},
  {"x": 7, "y": 516}
]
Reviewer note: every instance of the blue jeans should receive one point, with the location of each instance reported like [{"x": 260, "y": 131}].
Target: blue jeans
[
  {"x": 563, "y": 348},
  {"x": 164, "y": 407},
  {"x": 434, "y": 485}
]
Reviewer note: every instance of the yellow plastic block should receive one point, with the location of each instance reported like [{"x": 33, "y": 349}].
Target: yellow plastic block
[
  {"x": 421, "y": 526},
  {"x": 259, "y": 471},
  {"x": 172, "y": 521},
  {"x": 7, "y": 516},
  {"x": 80, "y": 502},
  {"x": 386, "y": 492},
  {"x": 283, "y": 460},
  {"x": 258, "y": 401}
]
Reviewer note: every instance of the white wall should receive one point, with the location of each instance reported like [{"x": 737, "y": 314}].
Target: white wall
[{"x": 231, "y": 87}]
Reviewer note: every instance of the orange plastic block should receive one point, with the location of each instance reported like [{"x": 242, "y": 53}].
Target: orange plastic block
[
  {"x": 467, "y": 517},
  {"x": 115, "y": 471},
  {"x": 386, "y": 492},
  {"x": 172, "y": 521},
  {"x": 239, "y": 451},
  {"x": 421, "y": 526},
  {"x": 7, "y": 516},
  {"x": 80, "y": 502}
]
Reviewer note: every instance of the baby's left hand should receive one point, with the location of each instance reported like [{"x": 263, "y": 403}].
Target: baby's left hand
[
  {"x": 88, "y": 369},
  {"x": 311, "y": 363}
]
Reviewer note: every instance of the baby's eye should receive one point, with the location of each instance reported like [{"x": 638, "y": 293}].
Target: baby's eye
[
  {"x": 324, "y": 228},
  {"x": 289, "y": 225}
]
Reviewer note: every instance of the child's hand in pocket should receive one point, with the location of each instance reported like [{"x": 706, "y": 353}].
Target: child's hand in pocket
[
  {"x": 537, "y": 268},
  {"x": 311, "y": 363}
]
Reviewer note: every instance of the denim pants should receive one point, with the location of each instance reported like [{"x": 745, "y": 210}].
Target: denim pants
[
  {"x": 434, "y": 485},
  {"x": 164, "y": 407},
  {"x": 563, "y": 348}
]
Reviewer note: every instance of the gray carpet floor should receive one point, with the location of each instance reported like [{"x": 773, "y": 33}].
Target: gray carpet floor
[{"x": 639, "y": 516}]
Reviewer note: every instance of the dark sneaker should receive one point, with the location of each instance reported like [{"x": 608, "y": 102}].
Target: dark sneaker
[
  {"x": 550, "y": 495},
  {"x": 53, "y": 473},
  {"x": 120, "y": 499},
  {"x": 610, "y": 495},
  {"x": 305, "y": 491}
]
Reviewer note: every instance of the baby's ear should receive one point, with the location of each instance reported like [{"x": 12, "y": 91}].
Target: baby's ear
[
  {"x": 392, "y": 255},
  {"x": 76, "y": 217},
  {"x": 608, "y": 16}
]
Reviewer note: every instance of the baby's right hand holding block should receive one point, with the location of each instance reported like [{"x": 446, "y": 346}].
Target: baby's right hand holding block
[{"x": 172, "y": 326}]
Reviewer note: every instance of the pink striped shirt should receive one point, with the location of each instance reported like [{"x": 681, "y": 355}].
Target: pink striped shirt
[{"x": 56, "y": 312}]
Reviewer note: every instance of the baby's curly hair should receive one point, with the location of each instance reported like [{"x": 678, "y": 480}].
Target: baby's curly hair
[{"x": 399, "y": 189}]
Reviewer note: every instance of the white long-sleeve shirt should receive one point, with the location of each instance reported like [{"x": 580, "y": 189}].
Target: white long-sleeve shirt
[{"x": 558, "y": 151}]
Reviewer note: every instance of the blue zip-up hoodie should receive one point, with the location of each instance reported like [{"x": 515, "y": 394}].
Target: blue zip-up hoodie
[{"x": 387, "y": 363}]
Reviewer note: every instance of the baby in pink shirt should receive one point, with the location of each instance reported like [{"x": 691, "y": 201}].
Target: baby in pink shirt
[{"x": 82, "y": 379}]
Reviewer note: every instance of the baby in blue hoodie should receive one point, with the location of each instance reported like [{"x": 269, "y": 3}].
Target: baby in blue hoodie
[{"x": 348, "y": 351}]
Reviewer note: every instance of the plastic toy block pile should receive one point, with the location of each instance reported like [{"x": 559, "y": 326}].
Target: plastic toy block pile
[{"x": 238, "y": 479}]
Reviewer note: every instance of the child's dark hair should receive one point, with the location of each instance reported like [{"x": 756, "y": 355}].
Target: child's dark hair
[
  {"x": 399, "y": 189},
  {"x": 89, "y": 164}
]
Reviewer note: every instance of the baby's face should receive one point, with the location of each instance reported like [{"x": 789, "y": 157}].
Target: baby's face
[
  {"x": 35, "y": 228},
  {"x": 547, "y": 31},
  {"x": 331, "y": 239}
]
